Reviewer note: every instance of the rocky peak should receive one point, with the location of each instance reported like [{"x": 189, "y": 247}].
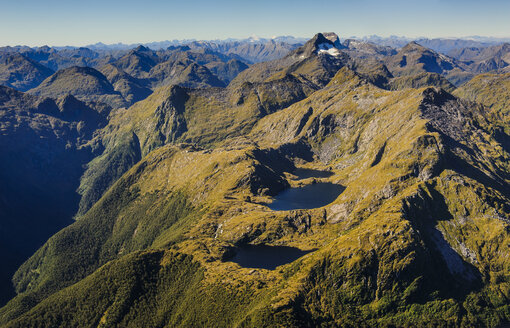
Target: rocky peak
[
  {"x": 436, "y": 96},
  {"x": 177, "y": 97},
  {"x": 446, "y": 114},
  {"x": 333, "y": 37},
  {"x": 318, "y": 44},
  {"x": 141, "y": 52},
  {"x": 413, "y": 46},
  {"x": 141, "y": 48}
]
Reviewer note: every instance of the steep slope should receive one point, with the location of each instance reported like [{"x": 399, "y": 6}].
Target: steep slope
[
  {"x": 200, "y": 56},
  {"x": 57, "y": 59},
  {"x": 130, "y": 88},
  {"x": 174, "y": 114},
  {"x": 184, "y": 73},
  {"x": 483, "y": 60},
  {"x": 175, "y": 65},
  {"x": 226, "y": 71},
  {"x": 414, "y": 58},
  {"x": 138, "y": 62},
  {"x": 421, "y": 80},
  {"x": 85, "y": 83},
  {"x": 178, "y": 211},
  {"x": 364, "y": 50},
  {"x": 418, "y": 237},
  {"x": 491, "y": 90},
  {"x": 254, "y": 52},
  {"x": 21, "y": 73},
  {"x": 43, "y": 153},
  {"x": 317, "y": 61}
]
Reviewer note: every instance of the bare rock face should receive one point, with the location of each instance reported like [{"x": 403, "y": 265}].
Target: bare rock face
[{"x": 333, "y": 37}]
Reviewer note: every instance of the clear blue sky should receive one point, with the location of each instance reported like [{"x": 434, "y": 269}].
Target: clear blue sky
[{"x": 81, "y": 22}]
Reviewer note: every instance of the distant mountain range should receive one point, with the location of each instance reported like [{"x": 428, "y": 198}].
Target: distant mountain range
[{"x": 437, "y": 44}]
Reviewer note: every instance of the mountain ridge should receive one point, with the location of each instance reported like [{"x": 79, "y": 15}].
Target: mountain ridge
[{"x": 173, "y": 187}]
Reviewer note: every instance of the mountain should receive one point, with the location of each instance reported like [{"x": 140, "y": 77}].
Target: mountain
[
  {"x": 418, "y": 237},
  {"x": 362, "y": 49},
  {"x": 442, "y": 45},
  {"x": 449, "y": 46},
  {"x": 320, "y": 58},
  {"x": 226, "y": 72},
  {"x": 185, "y": 73},
  {"x": 21, "y": 73},
  {"x": 415, "y": 58},
  {"x": 56, "y": 59},
  {"x": 174, "y": 114},
  {"x": 327, "y": 188},
  {"x": 43, "y": 154},
  {"x": 178, "y": 65},
  {"x": 420, "y": 80},
  {"x": 491, "y": 90},
  {"x": 483, "y": 60},
  {"x": 200, "y": 56},
  {"x": 138, "y": 62},
  {"x": 171, "y": 43},
  {"x": 224, "y": 67},
  {"x": 130, "y": 88},
  {"x": 253, "y": 52},
  {"x": 85, "y": 83},
  {"x": 316, "y": 62}
]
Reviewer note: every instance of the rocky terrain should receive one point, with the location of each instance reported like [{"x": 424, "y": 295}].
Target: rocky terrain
[{"x": 151, "y": 173}]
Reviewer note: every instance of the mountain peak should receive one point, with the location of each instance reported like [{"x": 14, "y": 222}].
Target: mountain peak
[
  {"x": 317, "y": 45},
  {"x": 320, "y": 38},
  {"x": 435, "y": 95},
  {"x": 333, "y": 37},
  {"x": 413, "y": 46},
  {"x": 141, "y": 48}
]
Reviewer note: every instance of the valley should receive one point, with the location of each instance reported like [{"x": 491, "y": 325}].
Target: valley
[{"x": 256, "y": 184}]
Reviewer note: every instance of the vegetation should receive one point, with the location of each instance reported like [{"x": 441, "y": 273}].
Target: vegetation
[{"x": 418, "y": 238}]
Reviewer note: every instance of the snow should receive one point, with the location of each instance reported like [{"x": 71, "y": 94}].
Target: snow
[{"x": 328, "y": 49}]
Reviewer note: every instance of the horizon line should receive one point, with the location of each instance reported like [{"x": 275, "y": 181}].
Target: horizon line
[{"x": 256, "y": 37}]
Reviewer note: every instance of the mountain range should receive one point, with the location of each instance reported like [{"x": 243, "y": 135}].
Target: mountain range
[{"x": 139, "y": 186}]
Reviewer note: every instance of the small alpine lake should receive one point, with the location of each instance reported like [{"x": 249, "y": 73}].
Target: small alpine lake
[
  {"x": 265, "y": 256},
  {"x": 306, "y": 197}
]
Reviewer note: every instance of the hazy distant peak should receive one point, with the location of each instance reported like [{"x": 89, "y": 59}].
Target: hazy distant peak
[
  {"x": 141, "y": 48},
  {"x": 413, "y": 45}
]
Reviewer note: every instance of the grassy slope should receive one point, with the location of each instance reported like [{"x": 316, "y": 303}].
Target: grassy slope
[
  {"x": 417, "y": 238},
  {"x": 490, "y": 90},
  {"x": 174, "y": 114},
  {"x": 85, "y": 83}
]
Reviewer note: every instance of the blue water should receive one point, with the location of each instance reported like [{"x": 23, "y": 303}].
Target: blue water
[
  {"x": 309, "y": 196},
  {"x": 266, "y": 257}
]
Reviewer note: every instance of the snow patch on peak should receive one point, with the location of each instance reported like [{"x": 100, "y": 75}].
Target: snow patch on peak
[
  {"x": 325, "y": 46},
  {"x": 328, "y": 48}
]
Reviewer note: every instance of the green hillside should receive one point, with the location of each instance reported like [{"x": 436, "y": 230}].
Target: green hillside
[{"x": 181, "y": 184}]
